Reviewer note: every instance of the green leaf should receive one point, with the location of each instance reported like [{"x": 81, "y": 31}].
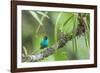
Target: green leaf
[
  {"x": 58, "y": 18},
  {"x": 67, "y": 20},
  {"x": 56, "y": 25},
  {"x": 42, "y": 18},
  {"x": 43, "y": 14},
  {"x": 25, "y": 51},
  {"x": 60, "y": 55},
  {"x": 49, "y": 58},
  {"x": 35, "y": 15}
]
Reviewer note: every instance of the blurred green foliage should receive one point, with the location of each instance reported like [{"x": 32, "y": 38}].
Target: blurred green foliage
[{"x": 37, "y": 24}]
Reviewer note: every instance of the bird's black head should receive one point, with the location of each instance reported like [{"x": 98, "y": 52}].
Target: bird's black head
[{"x": 45, "y": 37}]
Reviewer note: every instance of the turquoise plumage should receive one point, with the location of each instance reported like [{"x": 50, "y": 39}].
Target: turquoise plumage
[{"x": 44, "y": 43}]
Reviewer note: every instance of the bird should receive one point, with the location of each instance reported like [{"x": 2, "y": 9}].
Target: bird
[{"x": 44, "y": 43}]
